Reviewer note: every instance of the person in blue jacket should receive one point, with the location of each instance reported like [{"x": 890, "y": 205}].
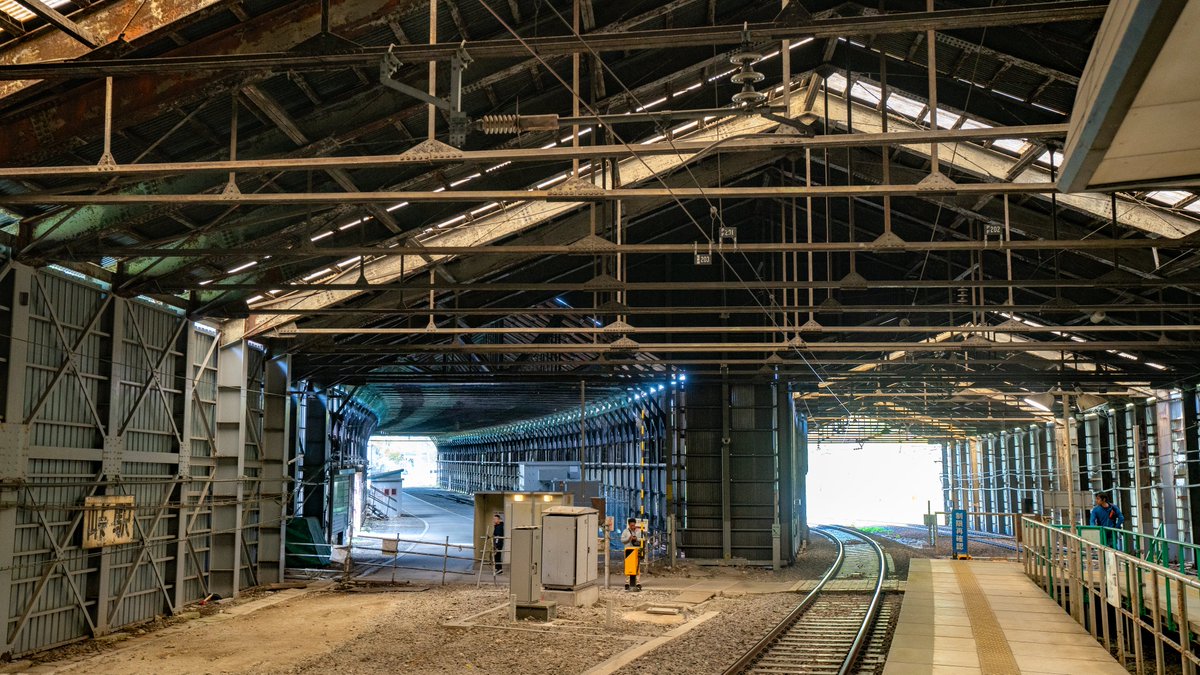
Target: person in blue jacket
[{"x": 1106, "y": 514}]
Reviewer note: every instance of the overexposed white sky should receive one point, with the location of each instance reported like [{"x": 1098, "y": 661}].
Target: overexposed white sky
[
  {"x": 417, "y": 455},
  {"x": 873, "y": 484}
]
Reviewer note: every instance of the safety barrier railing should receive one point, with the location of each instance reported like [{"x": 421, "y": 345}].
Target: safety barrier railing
[
  {"x": 1181, "y": 556},
  {"x": 394, "y": 551},
  {"x": 1123, "y": 600}
]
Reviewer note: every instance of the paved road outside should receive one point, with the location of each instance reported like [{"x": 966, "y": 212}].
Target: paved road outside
[{"x": 429, "y": 516}]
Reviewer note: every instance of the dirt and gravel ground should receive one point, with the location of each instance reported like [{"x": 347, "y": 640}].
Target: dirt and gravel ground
[
  {"x": 716, "y": 644},
  {"x": 899, "y": 553},
  {"x": 916, "y": 537},
  {"x": 412, "y": 630},
  {"x": 810, "y": 564},
  {"x": 272, "y": 639},
  {"x": 412, "y": 639},
  {"x": 385, "y": 632}
]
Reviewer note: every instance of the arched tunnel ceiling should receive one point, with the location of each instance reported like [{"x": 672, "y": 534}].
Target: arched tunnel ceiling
[{"x": 940, "y": 307}]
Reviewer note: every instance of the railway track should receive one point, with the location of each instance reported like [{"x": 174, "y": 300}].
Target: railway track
[
  {"x": 913, "y": 534},
  {"x": 828, "y": 631}
]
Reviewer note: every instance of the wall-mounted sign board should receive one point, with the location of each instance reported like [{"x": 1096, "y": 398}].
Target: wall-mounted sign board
[{"x": 108, "y": 520}]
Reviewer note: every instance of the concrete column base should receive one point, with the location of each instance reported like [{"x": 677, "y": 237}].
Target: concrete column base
[
  {"x": 538, "y": 611},
  {"x": 580, "y": 597}
]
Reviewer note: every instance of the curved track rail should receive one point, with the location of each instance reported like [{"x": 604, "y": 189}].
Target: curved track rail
[{"x": 827, "y": 631}]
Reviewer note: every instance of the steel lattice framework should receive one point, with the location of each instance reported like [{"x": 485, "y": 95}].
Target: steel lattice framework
[{"x": 236, "y": 238}]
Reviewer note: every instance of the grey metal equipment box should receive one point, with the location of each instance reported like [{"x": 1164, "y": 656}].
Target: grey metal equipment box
[
  {"x": 569, "y": 547},
  {"x": 524, "y": 564},
  {"x": 535, "y": 476}
]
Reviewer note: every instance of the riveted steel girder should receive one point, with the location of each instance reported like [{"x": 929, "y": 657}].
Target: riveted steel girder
[
  {"x": 691, "y": 37},
  {"x": 63, "y": 122}
]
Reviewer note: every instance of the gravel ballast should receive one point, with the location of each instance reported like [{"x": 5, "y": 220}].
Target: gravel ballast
[{"x": 716, "y": 644}]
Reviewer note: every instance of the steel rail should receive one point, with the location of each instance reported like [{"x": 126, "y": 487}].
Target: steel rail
[
  {"x": 557, "y": 45},
  {"x": 764, "y": 646},
  {"x": 679, "y": 147},
  {"x": 788, "y": 621},
  {"x": 873, "y": 611},
  {"x": 587, "y": 194}
]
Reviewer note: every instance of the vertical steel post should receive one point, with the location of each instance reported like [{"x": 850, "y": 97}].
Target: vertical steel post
[
  {"x": 959, "y": 498},
  {"x": 228, "y": 487},
  {"x": 1067, "y": 463},
  {"x": 15, "y": 293},
  {"x": 947, "y": 475},
  {"x": 1191, "y": 443},
  {"x": 670, "y": 449},
  {"x": 575, "y": 91},
  {"x": 726, "y": 485},
  {"x": 582, "y": 430},
  {"x": 273, "y": 508},
  {"x": 931, "y": 55},
  {"x": 1123, "y": 467},
  {"x": 113, "y": 455},
  {"x": 986, "y": 482},
  {"x": 231, "y": 186},
  {"x": 106, "y": 157},
  {"x": 186, "y": 383},
  {"x": 1092, "y": 454},
  {"x": 1164, "y": 465},
  {"x": 1045, "y": 453},
  {"x": 778, "y": 448},
  {"x": 802, "y": 478},
  {"x": 975, "y": 502},
  {"x": 1141, "y": 477},
  {"x": 431, "y": 119},
  {"x": 446, "y": 559},
  {"x": 1020, "y": 477}
]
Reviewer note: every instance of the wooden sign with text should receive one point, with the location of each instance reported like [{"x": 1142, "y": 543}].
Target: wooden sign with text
[{"x": 108, "y": 520}]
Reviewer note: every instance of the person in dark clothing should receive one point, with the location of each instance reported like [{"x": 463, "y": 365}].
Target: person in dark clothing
[
  {"x": 1106, "y": 514},
  {"x": 498, "y": 544}
]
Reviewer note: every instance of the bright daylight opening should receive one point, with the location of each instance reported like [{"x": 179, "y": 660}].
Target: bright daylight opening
[
  {"x": 873, "y": 483},
  {"x": 417, "y": 455}
]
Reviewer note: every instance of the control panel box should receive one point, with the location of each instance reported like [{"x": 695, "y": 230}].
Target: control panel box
[{"x": 569, "y": 548}]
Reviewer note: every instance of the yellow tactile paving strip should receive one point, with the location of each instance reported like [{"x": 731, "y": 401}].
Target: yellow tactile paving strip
[{"x": 995, "y": 656}]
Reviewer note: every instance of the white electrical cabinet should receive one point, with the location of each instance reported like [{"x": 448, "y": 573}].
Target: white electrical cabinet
[
  {"x": 523, "y": 564},
  {"x": 569, "y": 547}
]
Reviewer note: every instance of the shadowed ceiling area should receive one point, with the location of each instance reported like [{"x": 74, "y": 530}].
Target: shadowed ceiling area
[{"x": 600, "y": 195}]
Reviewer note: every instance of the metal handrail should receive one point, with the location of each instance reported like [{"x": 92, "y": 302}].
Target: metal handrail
[
  {"x": 1080, "y": 574},
  {"x": 788, "y": 621},
  {"x": 1150, "y": 547}
]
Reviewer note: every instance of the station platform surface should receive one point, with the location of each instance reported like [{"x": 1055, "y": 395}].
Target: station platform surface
[{"x": 979, "y": 616}]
